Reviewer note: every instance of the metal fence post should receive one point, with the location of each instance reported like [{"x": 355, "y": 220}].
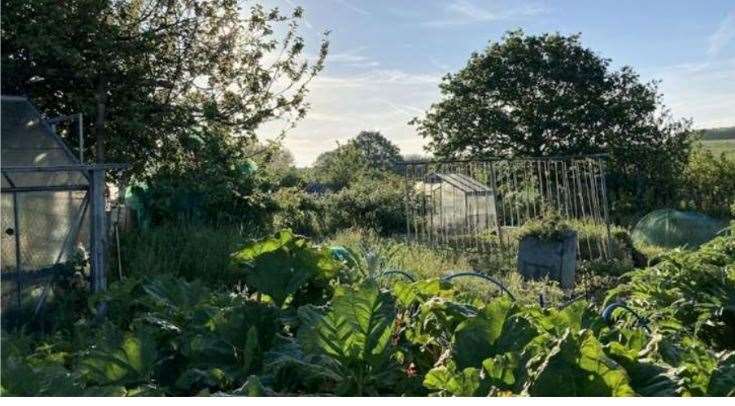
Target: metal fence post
[{"x": 98, "y": 232}]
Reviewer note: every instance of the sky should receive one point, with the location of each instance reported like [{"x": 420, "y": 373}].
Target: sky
[{"x": 387, "y": 57}]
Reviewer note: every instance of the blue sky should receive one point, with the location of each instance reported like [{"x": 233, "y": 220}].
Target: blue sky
[{"x": 387, "y": 57}]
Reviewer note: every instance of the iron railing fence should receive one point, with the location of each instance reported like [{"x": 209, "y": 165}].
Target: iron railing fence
[{"x": 479, "y": 205}]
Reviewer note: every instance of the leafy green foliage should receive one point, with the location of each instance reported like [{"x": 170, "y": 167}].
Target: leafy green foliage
[
  {"x": 368, "y": 155},
  {"x": 283, "y": 264},
  {"x": 169, "y": 336},
  {"x": 691, "y": 292},
  {"x": 550, "y": 227},
  {"x": 130, "y": 362},
  {"x": 137, "y": 81},
  {"x": 348, "y": 346},
  {"x": 446, "y": 380},
  {"x": 539, "y": 95},
  {"x": 708, "y": 183},
  {"x": 377, "y": 204},
  {"x": 366, "y": 188}
]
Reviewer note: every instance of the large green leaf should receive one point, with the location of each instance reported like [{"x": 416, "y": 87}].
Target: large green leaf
[
  {"x": 494, "y": 330},
  {"x": 280, "y": 265},
  {"x": 291, "y": 369},
  {"x": 411, "y": 293},
  {"x": 355, "y": 333},
  {"x": 500, "y": 370},
  {"x": 131, "y": 362},
  {"x": 578, "y": 366},
  {"x": 446, "y": 380},
  {"x": 648, "y": 376},
  {"x": 175, "y": 293},
  {"x": 357, "y": 327}
]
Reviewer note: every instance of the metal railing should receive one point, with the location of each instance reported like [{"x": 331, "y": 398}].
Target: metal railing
[{"x": 475, "y": 205}]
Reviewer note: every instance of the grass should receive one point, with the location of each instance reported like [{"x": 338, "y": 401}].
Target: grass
[
  {"x": 188, "y": 251},
  {"x": 202, "y": 252},
  {"x": 718, "y": 147},
  {"x": 429, "y": 262}
]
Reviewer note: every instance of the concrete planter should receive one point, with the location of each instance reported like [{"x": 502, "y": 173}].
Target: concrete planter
[{"x": 555, "y": 259}]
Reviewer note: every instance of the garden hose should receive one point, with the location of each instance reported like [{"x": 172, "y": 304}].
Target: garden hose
[
  {"x": 607, "y": 314},
  {"x": 481, "y": 276},
  {"x": 396, "y": 272},
  {"x": 572, "y": 300}
]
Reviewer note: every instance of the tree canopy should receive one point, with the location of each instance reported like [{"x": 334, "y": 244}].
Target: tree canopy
[
  {"x": 541, "y": 95},
  {"x": 377, "y": 150},
  {"x": 368, "y": 154},
  {"x": 150, "y": 75}
]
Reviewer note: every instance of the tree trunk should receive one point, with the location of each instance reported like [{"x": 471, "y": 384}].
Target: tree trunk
[{"x": 100, "y": 122}]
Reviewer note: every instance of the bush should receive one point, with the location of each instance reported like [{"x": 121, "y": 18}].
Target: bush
[
  {"x": 708, "y": 184},
  {"x": 212, "y": 180},
  {"x": 373, "y": 203},
  {"x": 300, "y": 211}
]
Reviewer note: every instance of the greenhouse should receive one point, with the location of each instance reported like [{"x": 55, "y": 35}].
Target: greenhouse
[
  {"x": 475, "y": 205},
  {"x": 458, "y": 201},
  {"x": 52, "y": 208}
]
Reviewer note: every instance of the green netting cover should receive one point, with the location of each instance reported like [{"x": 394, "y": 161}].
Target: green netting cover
[{"x": 674, "y": 228}]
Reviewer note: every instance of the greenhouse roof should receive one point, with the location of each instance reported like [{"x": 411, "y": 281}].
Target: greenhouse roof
[
  {"x": 462, "y": 182},
  {"x": 33, "y": 156}
]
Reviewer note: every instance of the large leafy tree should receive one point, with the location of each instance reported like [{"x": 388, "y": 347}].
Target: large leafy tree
[
  {"x": 153, "y": 76},
  {"x": 543, "y": 95},
  {"x": 377, "y": 150},
  {"x": 369, "y": 154}
]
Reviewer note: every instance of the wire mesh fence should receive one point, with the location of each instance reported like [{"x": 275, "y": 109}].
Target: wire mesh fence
[{"x": 479, "y": 206}]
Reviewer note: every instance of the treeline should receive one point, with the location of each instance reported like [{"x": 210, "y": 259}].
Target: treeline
[{"x": 719, "y": 133}]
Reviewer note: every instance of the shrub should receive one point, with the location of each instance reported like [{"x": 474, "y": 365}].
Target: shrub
[
  {"x": 708, "y": 184},
  {"x": 372, "y": 203},
  {"x": 301, "y": 212}
]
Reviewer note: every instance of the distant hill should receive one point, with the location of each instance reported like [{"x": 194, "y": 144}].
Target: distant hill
[{"x": 721, "y": 133}]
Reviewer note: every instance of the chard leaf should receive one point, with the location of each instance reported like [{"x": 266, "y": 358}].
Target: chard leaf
[
  {"x": 131, "y": 362},
  {"x": 577, "y": 366},
  {"x": 493, "y": 331},
  {"x": 446, "y": 380},
  {"x": 281, "y": 265},
  {"x": 501, "y": 369}
]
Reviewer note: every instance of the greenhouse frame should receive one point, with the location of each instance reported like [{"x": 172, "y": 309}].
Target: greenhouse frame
[{"x": 53, "y": 208}]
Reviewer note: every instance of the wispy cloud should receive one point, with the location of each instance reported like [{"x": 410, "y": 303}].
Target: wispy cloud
[
  {"x": 343, "y": 105},
  {"x": 703, "y": 91},
  {"x": 723, "y": 36},
  {"x": 354, "y": 57},
  {"x": 461, "y": 12},
  {"x": 353, "y": 7}
]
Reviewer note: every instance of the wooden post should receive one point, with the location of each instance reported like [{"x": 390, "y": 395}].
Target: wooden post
[{"x": 98, "y": 231}]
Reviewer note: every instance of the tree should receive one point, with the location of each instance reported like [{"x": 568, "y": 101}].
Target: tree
[
  {"x": 548, "y": 95},
  {"x": 369, "y": 154},
  {"x": 377, "y": 150},
  {"x": 151, "y": 73},
  {"x": 340, "y": 167}
]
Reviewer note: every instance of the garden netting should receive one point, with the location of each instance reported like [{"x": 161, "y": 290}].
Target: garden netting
[{"x": 671, "y": 228}]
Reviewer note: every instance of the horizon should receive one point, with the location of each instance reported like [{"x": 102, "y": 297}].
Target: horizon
[{"x": 386, "y": 59}]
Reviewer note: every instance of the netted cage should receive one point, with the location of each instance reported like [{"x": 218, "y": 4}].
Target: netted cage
[
  {"x": 479, "y": 205},
  {"x": 52, "y": 209},
  {"x": 674, "y": 228}
]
